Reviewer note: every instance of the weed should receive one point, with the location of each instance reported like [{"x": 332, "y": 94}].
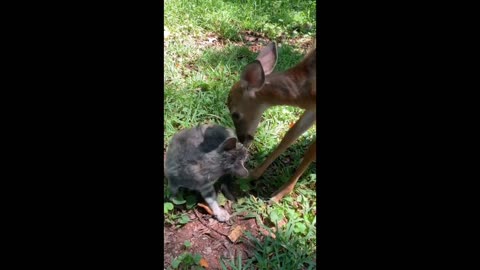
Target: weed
[
  {"x": 178, "y": 219},
  {"x": 285, "y": 251},
  {"x": 236, "y": 263},
  {"x": 187, "y": 261}
]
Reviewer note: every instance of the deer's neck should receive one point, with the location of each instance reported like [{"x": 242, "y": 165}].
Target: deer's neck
[{"x": 291, "y": 88}]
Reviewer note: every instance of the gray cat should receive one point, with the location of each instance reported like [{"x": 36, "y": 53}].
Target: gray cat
[{"x": 198, "y": 157}]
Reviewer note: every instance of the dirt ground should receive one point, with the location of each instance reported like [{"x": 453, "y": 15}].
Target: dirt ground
[{"x": 209, "y": 238}]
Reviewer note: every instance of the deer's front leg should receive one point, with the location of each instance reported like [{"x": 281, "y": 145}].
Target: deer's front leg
[{"x": 310, "y": 155}]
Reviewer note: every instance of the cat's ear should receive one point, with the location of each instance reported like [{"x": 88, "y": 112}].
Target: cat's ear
[{"x": 228, "y": 144}]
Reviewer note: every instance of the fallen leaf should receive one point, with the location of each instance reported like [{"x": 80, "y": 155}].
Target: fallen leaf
[
  {"x": 206, "y": 208},
  {"x": 203, "y": 263},
  {"x": 282, "y": 222},
  {"x": 235, "y": 233},
  {"x": 267, "y": 233}
]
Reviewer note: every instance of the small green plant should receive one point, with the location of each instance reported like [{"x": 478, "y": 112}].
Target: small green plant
[
  {"x": 167, "y": 207},
  {"x": 184, "y": 219},
  {"x": 236, "y": 263},
  {"x": 176, "y": 218},
  {"x": 187, "y": 261},
  {"x": 189, "y": 201},
  {"x": 168, "y": 213}
]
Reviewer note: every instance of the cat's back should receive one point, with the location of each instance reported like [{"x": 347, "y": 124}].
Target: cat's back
[
  {"x": 192, "y": 158},
  {"x": 189, "y": 145},
  {"x": 184, "y": 144},
  {"x": 187, "y": 137},
  {"x": 213, "y": 136}
]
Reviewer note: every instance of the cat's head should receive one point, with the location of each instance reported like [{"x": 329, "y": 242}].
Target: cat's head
[{"x": 233, "y": 157}]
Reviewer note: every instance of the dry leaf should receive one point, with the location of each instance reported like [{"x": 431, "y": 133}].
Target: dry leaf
[
  {"x": 235, "y": 233},
  {"x": 267, "y": 233},
  {"x": 203, "y": 263},
  {"x": 282, "y": 222},
  {"x": 209, "y": 211}
]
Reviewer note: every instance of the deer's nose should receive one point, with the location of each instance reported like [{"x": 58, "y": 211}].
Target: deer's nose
[
  {"x": 246, "y": 140},
  {"x": 242, "y": 138}
]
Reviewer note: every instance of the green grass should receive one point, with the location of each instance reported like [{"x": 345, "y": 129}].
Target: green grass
[
  {"x": 197, "y": 81},
  {"x": 286, "y": 251},
  {"x": 228, "y": 17}
]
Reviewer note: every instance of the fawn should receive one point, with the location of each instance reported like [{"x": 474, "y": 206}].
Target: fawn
[{"x": 259, "y": 89}]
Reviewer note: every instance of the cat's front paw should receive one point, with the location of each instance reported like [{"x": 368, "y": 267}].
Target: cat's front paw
[{"x": 222, "y": 215}]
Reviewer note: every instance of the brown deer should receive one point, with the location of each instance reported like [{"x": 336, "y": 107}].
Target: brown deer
[{"x": 259, "y": 89}]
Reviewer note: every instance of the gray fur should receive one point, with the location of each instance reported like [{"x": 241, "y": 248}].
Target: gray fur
[{"x": 198, "y": 157}]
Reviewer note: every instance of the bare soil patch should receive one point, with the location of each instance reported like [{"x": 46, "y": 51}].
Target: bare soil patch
[{"x": 210, "y": 238}]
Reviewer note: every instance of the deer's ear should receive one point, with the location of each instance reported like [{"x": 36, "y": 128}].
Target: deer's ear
[
  {"x": 268, "y": 58},
  {"x": 253, "y": 77}
]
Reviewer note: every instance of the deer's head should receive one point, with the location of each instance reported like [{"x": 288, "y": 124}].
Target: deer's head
[{"x": 245, "y": 108}]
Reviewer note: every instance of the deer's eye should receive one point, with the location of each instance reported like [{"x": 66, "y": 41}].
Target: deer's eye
[{"x": 235, "y": 116}]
